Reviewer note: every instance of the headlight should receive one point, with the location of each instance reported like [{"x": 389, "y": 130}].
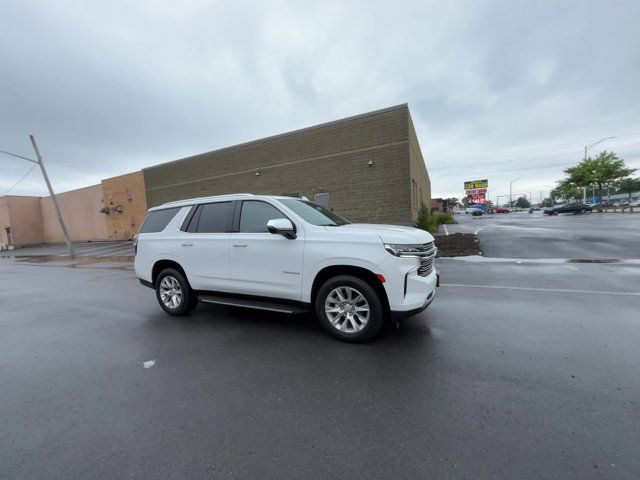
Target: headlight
[{"x": 404, "y": 250}]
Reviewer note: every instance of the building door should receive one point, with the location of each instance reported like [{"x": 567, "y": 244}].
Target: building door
[{"x": 322, "y": 199}]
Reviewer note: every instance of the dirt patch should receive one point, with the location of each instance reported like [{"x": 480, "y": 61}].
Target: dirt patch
[{"x": 458, "y": 245}]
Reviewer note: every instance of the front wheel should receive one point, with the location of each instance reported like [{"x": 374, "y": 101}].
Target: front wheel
[
  {"x": 349, "y": 309},
  {"x": 173, "y": 293}
]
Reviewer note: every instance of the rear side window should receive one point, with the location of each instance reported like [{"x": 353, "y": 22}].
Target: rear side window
[
  {"x": 157, "y": 220},
  {"x": 215, "y": 217},
  {"x": 255, "y": 215}
]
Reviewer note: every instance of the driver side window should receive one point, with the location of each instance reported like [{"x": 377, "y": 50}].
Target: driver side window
[{"x": 255, "y": 215}]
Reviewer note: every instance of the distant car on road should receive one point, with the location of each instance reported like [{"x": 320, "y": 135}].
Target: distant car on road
[
  {"x": 473, "y": 211},
  {"x": 575, "y": 208},
  {"x": 502, "y": 210}
]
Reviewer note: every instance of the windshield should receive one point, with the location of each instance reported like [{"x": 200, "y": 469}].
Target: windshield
[{"x": 313, "y": 213}]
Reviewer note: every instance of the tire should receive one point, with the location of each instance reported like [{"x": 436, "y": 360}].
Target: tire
[
  {"x": 174, "y": 293},
  {"x": 349, "y": 309}
]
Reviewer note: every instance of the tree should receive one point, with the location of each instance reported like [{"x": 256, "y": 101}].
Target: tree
[
  {"x": 522, "y": 202},
  {"x": 452, "y": 202},
  {"x": 601, "y": 170},
  {"x": 564, "y": 189},
  {"x": 465, "y": 202},
  {"x": 629, "y": 185}
]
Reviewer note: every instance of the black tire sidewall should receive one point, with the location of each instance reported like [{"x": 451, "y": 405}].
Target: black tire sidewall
[
  {"x": 376, "y": 315},
  {"x": 187, "y": 294}
]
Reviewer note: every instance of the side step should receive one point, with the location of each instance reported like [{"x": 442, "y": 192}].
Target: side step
[{"x": 255, "y": 304}]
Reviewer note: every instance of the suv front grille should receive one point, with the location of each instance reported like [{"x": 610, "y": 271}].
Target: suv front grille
[{"x": 426, "y": 256}]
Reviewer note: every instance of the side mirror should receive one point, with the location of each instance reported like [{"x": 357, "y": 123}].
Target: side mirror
[{"x": 282, "y": 226}]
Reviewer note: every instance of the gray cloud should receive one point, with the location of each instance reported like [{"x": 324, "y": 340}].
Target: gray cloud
[{"x": 111, "y": 87}]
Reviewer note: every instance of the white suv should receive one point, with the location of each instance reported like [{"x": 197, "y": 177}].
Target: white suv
[{"x": 287, "y": 255}]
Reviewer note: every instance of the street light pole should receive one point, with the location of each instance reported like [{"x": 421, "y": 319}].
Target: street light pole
[
  {"x": 589, "y": 147},
  {"x": 46, "y": 179},
  {"x": 510, "y": 192}
]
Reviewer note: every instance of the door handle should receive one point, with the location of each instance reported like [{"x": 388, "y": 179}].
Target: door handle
[
  {"x": 187, "y": 244},
  {"x": 239, "y": 244}
]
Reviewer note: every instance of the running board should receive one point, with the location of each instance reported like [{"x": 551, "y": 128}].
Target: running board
[{"x": 255, "y": 304}]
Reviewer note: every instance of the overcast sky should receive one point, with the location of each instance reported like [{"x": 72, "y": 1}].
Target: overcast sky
[{"x": 497, "y": 90}]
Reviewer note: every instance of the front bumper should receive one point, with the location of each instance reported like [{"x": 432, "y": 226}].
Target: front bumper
[
  {"x": 407, "y": 291},
  {"x": 420, "y": 299}
]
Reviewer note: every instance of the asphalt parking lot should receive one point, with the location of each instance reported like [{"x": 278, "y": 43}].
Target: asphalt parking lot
[
  {"x": 525, "y": 366},
  {"x": 588, "y": 236}
]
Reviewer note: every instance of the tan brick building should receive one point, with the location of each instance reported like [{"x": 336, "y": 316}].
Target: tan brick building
[
  {"x": 124, "y": 198},
  {"x": 368, "y": 168}
]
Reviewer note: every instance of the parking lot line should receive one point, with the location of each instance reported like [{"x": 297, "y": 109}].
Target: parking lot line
[{"x": 534, "y": 289}]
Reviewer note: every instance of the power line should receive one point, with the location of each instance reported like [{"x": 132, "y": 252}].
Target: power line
[
  {"x": 526, "y": 151},
  {"x": 495, "y": 161},
  {"x": 453, "y": 172},
  {"x": 20, "y": 181}
]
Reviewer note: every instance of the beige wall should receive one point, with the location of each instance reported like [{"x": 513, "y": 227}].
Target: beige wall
[
  {"x": 80, "y": 212},
  {"x": 128, "y": 192},
  {"x": 22, "y": 216}
]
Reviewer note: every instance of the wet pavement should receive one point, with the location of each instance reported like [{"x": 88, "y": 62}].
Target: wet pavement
[
  {"x": 521, "y": 235},
  {"x": 81, "y": 249},
  {"x": 520, "y": 369}
]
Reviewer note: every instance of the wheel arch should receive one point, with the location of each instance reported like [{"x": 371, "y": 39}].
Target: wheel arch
[
  {"x": 160, "y": 265},
  {"x": 364, "y": 274}
]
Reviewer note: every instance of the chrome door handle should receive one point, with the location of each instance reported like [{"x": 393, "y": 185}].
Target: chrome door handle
[
  {"x": 239, "y": 244},
  {"x": 187, "y": 244}
]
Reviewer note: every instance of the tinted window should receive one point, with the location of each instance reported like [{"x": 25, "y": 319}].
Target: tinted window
[
  {"x": 193, "y": 221},
  {"x": 255, "y": 215},
  {"x": 215, "y": 217},
  {"x": 157, "y": 220}
]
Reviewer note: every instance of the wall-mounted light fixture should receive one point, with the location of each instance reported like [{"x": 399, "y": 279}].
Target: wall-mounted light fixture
[
  {"x": 258, "y": 172},
  {"x": 118, "y": 209},
  {"x": 104, "y": 210},
  {"x": 370, "y": 163}
]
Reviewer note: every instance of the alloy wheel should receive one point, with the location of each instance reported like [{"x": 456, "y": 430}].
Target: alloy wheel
[
  {"x": 170, "y": 292},
  {"x": 347, "y": 309}
]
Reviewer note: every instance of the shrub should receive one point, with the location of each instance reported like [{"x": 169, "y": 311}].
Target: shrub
[{"x": 429, "y": 221}]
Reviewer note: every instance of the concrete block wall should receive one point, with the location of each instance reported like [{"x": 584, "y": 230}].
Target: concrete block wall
[{"x": 330, "y": 158}]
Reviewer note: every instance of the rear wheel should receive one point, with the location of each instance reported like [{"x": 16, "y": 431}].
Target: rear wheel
[
  {"x": 349, "y": 309},
  {"x": 173, "y": 293}
]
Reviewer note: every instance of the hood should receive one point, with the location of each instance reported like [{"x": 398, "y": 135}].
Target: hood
[{"x": 389, "y": 233}]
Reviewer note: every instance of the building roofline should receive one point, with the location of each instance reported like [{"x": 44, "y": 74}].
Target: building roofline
[{"x": 286, "y": 134}]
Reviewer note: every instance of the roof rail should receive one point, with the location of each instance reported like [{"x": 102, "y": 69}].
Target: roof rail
[{"x": 198, "y": 199}]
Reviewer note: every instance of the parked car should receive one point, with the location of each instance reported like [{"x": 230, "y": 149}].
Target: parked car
[
  {"x": 575, "y": 208},
  {"x": 473, "y": 210},
  {"x": 501, "y": 210},
  {"x": 285, "y": 255},
  {"x": 635, "y": 203}
]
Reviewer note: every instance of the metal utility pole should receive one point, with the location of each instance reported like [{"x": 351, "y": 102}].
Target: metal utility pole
[
  {"x": 53, "y": 195},
  {"x": 510, "y": 192}
]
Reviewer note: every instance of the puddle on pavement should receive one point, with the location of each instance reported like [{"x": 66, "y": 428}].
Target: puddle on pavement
[
  {"x": 76, "y": 261},
  {"x": 596, "y": 260}
]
